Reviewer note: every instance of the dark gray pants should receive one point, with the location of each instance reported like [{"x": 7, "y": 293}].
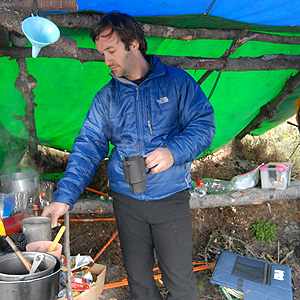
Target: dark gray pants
[{"x": 166, "y": 226}]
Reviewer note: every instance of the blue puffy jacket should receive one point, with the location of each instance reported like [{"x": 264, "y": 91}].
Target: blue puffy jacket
[{"x": 168, "y": 109}]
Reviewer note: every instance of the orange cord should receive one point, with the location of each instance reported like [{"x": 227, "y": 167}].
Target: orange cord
[
  {"x": 88, "y": 220},
  {"x": 95, "y": 191},
  {"x": 124, "y": 281},
  {"x": 106, "y": 245},
  {"x": 99, "y": 219}
]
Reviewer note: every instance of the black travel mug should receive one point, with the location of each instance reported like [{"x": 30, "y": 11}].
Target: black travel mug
[{"x": 135, "y": 173}]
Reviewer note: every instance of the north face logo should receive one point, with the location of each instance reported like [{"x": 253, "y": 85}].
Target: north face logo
[{"x": 162, "y": 100}]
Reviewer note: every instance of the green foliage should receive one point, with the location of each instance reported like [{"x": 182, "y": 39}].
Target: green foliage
[{"x": 263, "y": 231}]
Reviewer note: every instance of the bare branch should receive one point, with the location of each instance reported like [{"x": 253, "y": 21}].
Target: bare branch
[
  {"x": 234, "y": 46},
  {"x": 66, "y": 45},
  {"x": 4, "y": 37},
  {"x": 25, "y": 83},
  {"x": 263, "y": 63},
  {"x": 247, "y": 197},
  {"x": 43, "y": 5},
  {"x": 253, "y": 196},
  {"x": 269, "y": 110},
  {"x": 83, "y": 20},
  {"x": 13, "y": 20}
]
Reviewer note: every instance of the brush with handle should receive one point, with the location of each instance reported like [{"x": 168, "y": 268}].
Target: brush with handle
[{"x": 19, "y": 253}]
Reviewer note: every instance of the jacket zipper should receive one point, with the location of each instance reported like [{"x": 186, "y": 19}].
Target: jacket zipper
[
  {"x": 150, "y": 127},
  {"x": 137, "y": 98},
  {"x": 149, "y": 114},
  {"x": 139, "y": 118},
  {"x": 148, "y": 121}
]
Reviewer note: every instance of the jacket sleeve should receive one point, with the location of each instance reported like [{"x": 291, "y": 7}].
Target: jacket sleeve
[
  {"x": 90, "y": 147},
  {"x": 196, "y": 117}
]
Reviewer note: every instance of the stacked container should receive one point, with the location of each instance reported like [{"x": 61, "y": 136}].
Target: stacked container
[{"x": 275, "y": 175}]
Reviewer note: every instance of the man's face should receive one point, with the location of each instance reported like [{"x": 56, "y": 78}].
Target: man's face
[{"x": 119, "y": 60}]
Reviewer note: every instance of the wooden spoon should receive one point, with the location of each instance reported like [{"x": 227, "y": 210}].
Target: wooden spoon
[{"x": 18, "y": 252}]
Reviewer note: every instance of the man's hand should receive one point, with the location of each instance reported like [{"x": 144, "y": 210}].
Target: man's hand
[
  {"x": 159, "y": 160},
  {"x": 54, "y": 211}
]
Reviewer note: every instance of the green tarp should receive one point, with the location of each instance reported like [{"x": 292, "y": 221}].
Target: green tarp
[{"x": 66, "y": 87}]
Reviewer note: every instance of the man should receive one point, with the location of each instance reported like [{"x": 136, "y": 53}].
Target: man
[{"x": 153, "y": 110}]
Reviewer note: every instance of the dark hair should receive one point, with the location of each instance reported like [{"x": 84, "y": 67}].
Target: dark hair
[{"x": 124, "y": 25}]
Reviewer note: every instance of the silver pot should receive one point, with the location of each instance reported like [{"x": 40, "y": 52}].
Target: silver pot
[
  {"x": 37, "y": 229},
  {"x": 20, "y": 182},
  {"x": 12, "y": 269},
  {"x": 46, "y": 287}
]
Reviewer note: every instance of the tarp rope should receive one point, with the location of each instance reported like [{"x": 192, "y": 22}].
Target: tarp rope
[
  {"x": 214, "y": 86},
  {"x": 210, "y": 7}
]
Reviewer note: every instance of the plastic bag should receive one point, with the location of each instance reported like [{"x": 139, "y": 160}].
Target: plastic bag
[
  {"x": 7, "y": 204},
  {"x": 247, "y": 180}
]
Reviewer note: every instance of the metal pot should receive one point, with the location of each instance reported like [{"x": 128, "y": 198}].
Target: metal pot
[
  {"x": 12, "y": 269},
  {"x": 37, "y": 229},
  {"x": 20, "y": 182},
  {"x": 46, "y": 288}
]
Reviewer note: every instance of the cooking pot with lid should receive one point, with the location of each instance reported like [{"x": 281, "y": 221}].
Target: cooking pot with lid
[
  {"x": 46, "y": 287},
  {"x": 13, "y": 269},
  {"x": 20, "y": 182}
]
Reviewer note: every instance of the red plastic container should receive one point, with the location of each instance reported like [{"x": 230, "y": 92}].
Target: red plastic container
[{"x": 13, "y": 224}]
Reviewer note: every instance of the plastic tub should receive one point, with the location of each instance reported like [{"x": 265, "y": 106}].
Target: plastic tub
[
  {"x": 275, "y": 175},
  {"x": 43, "y": 246}
]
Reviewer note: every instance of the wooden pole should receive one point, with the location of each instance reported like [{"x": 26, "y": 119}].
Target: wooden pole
[
  {"x": 25, "y": 83},
  {"x": 252, "y": 196},
  {"x": 79, "y": 20},
  {"x": 263, "y": 63},
  {"x": 67, "y": 255},
  {"x": 43, "y": 5}
]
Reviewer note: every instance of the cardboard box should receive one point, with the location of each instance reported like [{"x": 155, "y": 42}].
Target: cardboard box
[
  {"x": 276, "y": 175},
  {"x": 96, "y": 289}
]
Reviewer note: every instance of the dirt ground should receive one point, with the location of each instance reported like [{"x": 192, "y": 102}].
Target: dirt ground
[{"x": 215, "y": 229}]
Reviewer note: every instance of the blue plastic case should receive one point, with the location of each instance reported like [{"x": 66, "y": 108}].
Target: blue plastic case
[{"x": 257, "y": 279}]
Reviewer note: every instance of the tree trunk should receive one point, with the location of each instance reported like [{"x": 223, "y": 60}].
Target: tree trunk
[
  {"x": 265, "y": 63},
  {"x": 25, "y": 83},
  {"x": 269, "y": 109},
  {"x": 251, "y": 196},
  {"x": 43, "y": 5},
  {"x": 78, "y": 20}
]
